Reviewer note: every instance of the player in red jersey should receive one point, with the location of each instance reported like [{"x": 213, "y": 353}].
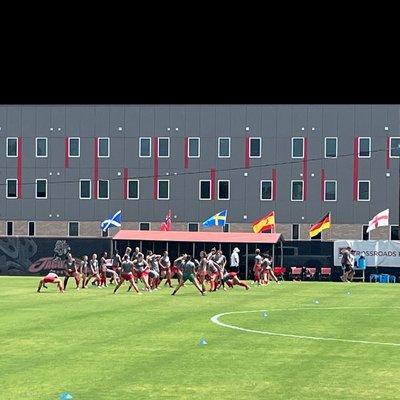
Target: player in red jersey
[
  {"x": 51, "y": 277},
  {"x": 127, "y": 274},
  {"x": 231, "y": 280},
  {"x": 175, "y": 269},
  {"x": 116, "y": 267},
  {"x": 141, "y": 270}
]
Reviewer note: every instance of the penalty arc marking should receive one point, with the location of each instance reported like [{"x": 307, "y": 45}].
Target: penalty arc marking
[{"x": 215, "y": 320}]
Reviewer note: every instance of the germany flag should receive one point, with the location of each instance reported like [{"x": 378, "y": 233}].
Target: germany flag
[{"x": 325, "y": 223}]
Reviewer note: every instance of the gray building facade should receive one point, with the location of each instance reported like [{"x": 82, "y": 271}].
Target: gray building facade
[{"x": 62, "y": 164}]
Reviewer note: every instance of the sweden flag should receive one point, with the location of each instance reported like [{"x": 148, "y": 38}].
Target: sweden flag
[{"x": 216, "y": 220}]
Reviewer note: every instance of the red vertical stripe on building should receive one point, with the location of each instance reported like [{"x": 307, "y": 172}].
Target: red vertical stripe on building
[
  {"x": 247, "y": 152},
  {"x": 155, "y": 168},
  {"x": 186, "y": 149},
  {"x": 19, "y": 167},
  {"x": 355, "y": 169},
  {"x": 213, "y": 176},
  {"x": 387, "y": 152},
  {"x": 274, "y": 184},
  {"x": 66, "y": 153},
  {"x": 95, "y": 168},
  {"x": 305, "y": 168},
  {"x": 125, "y": 183},
  {"x": 322, "y": 184}
]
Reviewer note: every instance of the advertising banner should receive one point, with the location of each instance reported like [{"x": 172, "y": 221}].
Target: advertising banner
[{"x": 378, "y": 253}]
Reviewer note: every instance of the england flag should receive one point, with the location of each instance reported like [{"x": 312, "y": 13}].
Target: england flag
[
  {"x": 381, "y": 219},
  {"x": 112, "y": 222}
]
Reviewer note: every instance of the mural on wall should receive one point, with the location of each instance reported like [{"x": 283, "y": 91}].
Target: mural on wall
[{"x": 36, "y": 256}]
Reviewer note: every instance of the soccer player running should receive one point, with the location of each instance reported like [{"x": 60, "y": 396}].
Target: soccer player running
[
  {"x": 71, "y": 271},
  {"x": 127, "y": 274},
  {"x": 257, "y": 267},
  {"x": 188, "y": 273},
  {"x": 51, "y": 277},
  {"x": 165, "y": 265}
]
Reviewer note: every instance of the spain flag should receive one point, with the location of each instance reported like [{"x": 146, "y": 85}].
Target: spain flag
[
  {"x": 325, "y": 223},
  {"x": 265, "y": 223}
]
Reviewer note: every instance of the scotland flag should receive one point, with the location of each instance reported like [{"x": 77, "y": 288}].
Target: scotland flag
[{"x": 112, "y": 222}]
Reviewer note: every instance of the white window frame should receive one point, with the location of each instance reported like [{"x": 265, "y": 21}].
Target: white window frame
[
  {"x": 229, "y": 189},
  {"x": 79, "y": 147},
  {"x": 16, "y": 187},
  {"x": 79, "y": 228},
  {"x": 188, "y": 148},
  {"x": 336, "y": 147},
  {"x": 138, "y": 189},
  {"x": 250, "y": 139},
  {"x": 34, "y": 228},
  {"x": 272, "y": 189},
  {"x": 144, "y": 222},
  {"x": 194, "y": 223},
  {"x": 158, "y": 189},
  {"x": 369, "y": 233},
  {"x": 108, "y": 189},
  {"x": 80, "y": 189},
  {"x": 369, "y": 147},
  {"x": 47, "y": 192},
  {"x": 330, "y": 180},
  {"x": 293, "y": 139},
  {"x": 358, "y": 190},
  {"x": 291, "y": 231},
  {"x": 219, "y": 147},
  {"x": 140, "y": 146},
  {"x": 390, "y": 146},
  {"x": 47, "y": 147},
  {"x": 108, "y": 146},
  {"x": 12, "y": 229},
  {"x": 291, "y": 189},
  {"x": 204, "y": 180},
  {"x": 11, "y": 138},
  {"x": 158, "y": 147}
]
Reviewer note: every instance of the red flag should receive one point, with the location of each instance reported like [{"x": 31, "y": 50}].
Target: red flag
[{"x": 167, "y": 224}]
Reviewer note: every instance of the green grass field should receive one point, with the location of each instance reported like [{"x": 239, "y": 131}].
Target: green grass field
[{"x": 96, "y": 345}]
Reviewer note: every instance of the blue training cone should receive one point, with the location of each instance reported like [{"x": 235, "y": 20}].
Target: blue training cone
[
  {"x": 202, "y": 342},
  {"x": 65, "y": 396}
]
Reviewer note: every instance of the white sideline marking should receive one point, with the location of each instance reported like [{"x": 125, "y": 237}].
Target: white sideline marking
[{"x": 215, "y": 320}]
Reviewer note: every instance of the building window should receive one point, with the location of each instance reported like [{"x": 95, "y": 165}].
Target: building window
[
  {"x": 193, "y": 227},
  {"x": 12, "y": 147},
  {"x": 266, "y": 190},
  {"x": 10, "y": 228},
  {"x": 363, "y": 190},
  {"x": 85, "y": 189},
  {"x": 163, "y": 147},
  {"x": 297, "y": 190},
  {"x": 73, "y": 228},
  {"x": 74, "y": 147},
  {"x": 331, "y": 146},
  {"x": 255, "y": 147},
  {"x": 295, "y": 232},
  {"x": 226, "y": 227},
  {"x": 41, "y": 188},
  {"x": 144, "y": 226},
  {"x": 330, "y": 190},
  {"x": 224, "y": 190},
  {"x": 144, "y": 147},
  {"x": 103, "y": 189},
  {"x": 193, "y": 147},
  {"x": 364, "y": 147},
  {"x": 224, "y": 147},
  {"x": 104, "y": 233},
  {"x": 394, "y": 144},
  {"x": 104, "y": 147},
  {"x": 31, "y": 228},
  {"x": 163, "y": 190},
  {"x": 11, "y": 187},
  {"x": 41, "y": 147},
  {"x": 394, "y": 232},
  {"x": 133, "y": 189},
  {"x": 297, "y": 147},
  {"x": 204, "y": 190},
  {"x": 365, "y": 234}
]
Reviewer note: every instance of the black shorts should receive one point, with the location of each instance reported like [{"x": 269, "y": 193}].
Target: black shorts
[{"x": 348, "y": 268}]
